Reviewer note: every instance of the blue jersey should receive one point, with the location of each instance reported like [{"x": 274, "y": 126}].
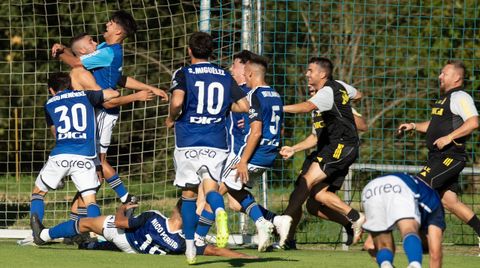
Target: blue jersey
[
  {"x": 209, "y": 93},
  {"x": 149, "y": 234},
  {"x": 428, "y": 199},
  {"x": 236, "y": 134},
  {"x": 73, "y": 115},
  {"x": 265, "y": 106},
  {"x": 106, "y": 65}
]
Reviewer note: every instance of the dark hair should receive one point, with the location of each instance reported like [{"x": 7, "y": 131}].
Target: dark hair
[
  {"x": 243, "y": 56},
  {"x": 74, "y": 39},
  {"x": 201, "y": 45},
  {"x": 325, "y": 64},
  {"x": 126, "y": 21},
  {"x": 59, "y": 81},
  {"x": 459, "y": 65},
  {"x": 259, "y": 60}
]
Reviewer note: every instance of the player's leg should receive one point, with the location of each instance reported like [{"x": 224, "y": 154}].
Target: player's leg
[
  {"x": 189, "y": 220},
  {"x": 105, "y": 124},
  {"x": 412, "y": 244},
  {"x": 85, "y": 178},
  {"x": 37, "y": 204},
  {"x": 451, "y": 202},
  {"x": 211, "y": 250},
  {"x": 384, "y": 243},
  {"x": 435, "y": 237},
  {"x": 215, "y": 201}
]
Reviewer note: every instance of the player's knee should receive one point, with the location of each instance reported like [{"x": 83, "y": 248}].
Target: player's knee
[
  {"x": 238, "y": 195},
  {"x": 435, "y": 255},
  {"x": 89, "y": 197},
  {"x": 40, "y": 188}
]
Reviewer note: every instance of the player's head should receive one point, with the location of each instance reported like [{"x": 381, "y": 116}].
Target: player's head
[
  {"x": 200, "y": 45},
  {"x": 58, "y": 82},
  {"x": 120, "y": 25},
  {"x": 82, "y": 44},
  {"x": 238, "y": 65},
  {"x": 319, "y": 70},
  {"x": 452, "y": 75},
  {"x": 255, "y": 70}
]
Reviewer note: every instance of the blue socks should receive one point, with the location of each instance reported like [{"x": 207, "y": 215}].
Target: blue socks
[
  {"x": 37, "y": 206},
  {"x": 204, "y": 223},
  {"x": 64, "y": 229},
  {"x": 215, "y": 200},
  {"x": 384, "y": 255},
  {"x": 250, "y": 207},
  {"x": 93, "y": 210},
  {"x": 117, "y": 185},
  {"x": 267, "y": 214},
  {"x": 413, "y": 247},
  {"x": 189, "y": 218}
]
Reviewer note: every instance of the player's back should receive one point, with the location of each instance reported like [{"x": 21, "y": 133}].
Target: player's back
[
  {"x": 208, "y": 97},
  {"x": 427, "y": 197},
  {"x": 237, "y": 134},
  {"x": 73, "y": 115},
  {"x": 154, "y": 236},
  {"x": 266, "y": 104}
]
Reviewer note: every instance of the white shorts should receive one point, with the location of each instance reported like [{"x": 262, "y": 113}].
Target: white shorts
[
  {"x": 387, "y": 200},
  {"x": 105, "y": 124},
  {"x": 115, "y": 235},
  {"x": 228, "y": 174},
  {"x": 195, "y": 164},
  {"x": 81, "y": 170}
]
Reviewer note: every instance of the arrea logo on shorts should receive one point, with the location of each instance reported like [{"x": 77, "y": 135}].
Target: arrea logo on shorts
[
  {"x": 74, "y": 163},
  {"x": 190, "y": 154}
]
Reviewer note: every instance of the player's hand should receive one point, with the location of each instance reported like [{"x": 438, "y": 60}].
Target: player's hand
[
  {"x": 287, "y": 151},
  {"x": 405, "y": 127},
  {"x": 242, "y": 172},
  {"x": 57, "y": 49},
  {"x": 145, "y": 95},
  {"x": 161, "y": 93},
  {"x": 241, "y": 123},
  {"x": 169, "y": 122},
  {"x": 130, "y": 205},
  {"x": 443, "y": 141}
]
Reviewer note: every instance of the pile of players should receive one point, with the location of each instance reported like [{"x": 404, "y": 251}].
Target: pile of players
[{"x": 228, "y": 128}]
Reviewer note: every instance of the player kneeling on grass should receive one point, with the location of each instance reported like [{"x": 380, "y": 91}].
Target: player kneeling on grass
[
  {"x": 148, "y": 233},
  {"x": 403, "y": 201}
]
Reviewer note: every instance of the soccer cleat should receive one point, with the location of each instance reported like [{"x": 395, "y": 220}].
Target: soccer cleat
[
  {"x": 264, "y": 230},
  {"x": 221, "y": 221},
  {"x": 27, "y": 241},
  {"x": 37, "y": 228},
  {"x": 282, "y": 225},
  {"x": 386, "y": 264},
  {"x": 350, "y": 234},
  {"x": 357, "y": 228},
  {"x": 129, "y": 212},
  {"x": 191, "y": 251}
]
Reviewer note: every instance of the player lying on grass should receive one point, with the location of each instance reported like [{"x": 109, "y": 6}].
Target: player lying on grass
[
  {"x": 148, "y": 233},
  {"x": 403, "y": 201}
]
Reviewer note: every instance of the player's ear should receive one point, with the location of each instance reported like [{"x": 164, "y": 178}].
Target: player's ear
[{"x": 51, "y": 91}]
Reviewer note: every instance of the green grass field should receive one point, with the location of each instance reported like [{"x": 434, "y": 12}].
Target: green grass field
[{"x": 58, "y": 255}]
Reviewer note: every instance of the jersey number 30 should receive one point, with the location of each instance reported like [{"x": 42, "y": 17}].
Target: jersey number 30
[{"x": 77, "y": 118}]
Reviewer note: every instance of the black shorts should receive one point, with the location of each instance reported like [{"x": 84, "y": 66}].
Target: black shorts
[
  {"x": 334, "y": 182},
  {"x": 436, "y": 218},
  {"x": 441, "y": 172},
  {"x": 335, "y": 158}
]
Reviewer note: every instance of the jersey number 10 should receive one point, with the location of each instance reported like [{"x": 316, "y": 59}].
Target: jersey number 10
[{"x": 212, "y": 87}]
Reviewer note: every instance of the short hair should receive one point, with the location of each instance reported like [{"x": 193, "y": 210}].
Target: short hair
[
  {"x": 325, "y": 64},
  {"x": 126, "y": 21},
  {"x": 459, "y": 65},
  {"x": 201, "y": 45},
  {"x": 74, "y": 40},
  {"x": 59, "y": 81},
  {"x": 243, "y": 56},
  {"x": 259, "y": 60}
]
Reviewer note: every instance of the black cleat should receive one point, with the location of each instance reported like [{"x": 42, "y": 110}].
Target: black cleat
[
  {"x": 37, "y": 228},
  {"x": 290, "y": 244},
  {"x": 349, "y": 231},
  {"x": 134, "y": 200}
]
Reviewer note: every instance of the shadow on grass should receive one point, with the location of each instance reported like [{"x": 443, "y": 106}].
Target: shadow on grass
[{"x": 242, "y": 262}]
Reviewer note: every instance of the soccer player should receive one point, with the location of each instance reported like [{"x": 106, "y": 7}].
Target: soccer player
[
  {"x": 202, "y": 94},
  {"x": 454, "y": 118},
  {"x": 339, "y": 147},
  {"x": 255, "y": 151},
  {"x": 71, "y": 116},
  {"x": 148, "y": 233},
  {"x": 406, "y": 202},
  {"x": 106, "y": 65}
]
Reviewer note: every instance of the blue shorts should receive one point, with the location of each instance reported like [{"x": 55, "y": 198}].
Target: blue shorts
[{"x": 437, "y": 218}]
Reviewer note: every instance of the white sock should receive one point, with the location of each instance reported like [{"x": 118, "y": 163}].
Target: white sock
[
  {"x": 45, "y": 236},
  {"x": 218, "y": 210},
  {"x": 189, "y": 243},
  {"x": 415, "y": 264},
  {"x": 124, "y": 198},
  {"x": 260, "y": 220}
]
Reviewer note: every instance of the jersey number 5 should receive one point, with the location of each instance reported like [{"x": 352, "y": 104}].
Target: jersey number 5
[
  {"x": 275, "y": 119},
  {"x": 215, "y": 86}
]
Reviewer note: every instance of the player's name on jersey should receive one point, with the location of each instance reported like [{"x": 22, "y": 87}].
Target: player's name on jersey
[
  {"x": 66, "y": 96},
  {"x": 206, "y": 70},
  {"x": 161, "y": 231},
  {"x": 270, "y": 94}
]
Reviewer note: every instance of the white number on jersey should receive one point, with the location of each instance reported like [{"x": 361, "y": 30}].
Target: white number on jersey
[
  {"x": 215, "y": 86},
  {"x": 275, "y": 119},
  {"x": 76, "y": 109}
]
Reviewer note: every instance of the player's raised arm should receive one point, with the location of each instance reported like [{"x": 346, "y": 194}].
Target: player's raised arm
[
  {"x": 144, "y": 95},
  {"x": 309, "y": 142},
  {"x": 304, "y": 107},
  {"x": 66, "y": 55},
  {"x": 132, "y": 83}
]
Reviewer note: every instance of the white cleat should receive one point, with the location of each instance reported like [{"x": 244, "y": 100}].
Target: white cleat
[
  {"x": 282, "y": 224},
  {"x": 478, "y": 244},
  {"x": 190, "y": 251},
  {"x": 386, "y": 264},
  {"x": 27, "y": 241},
  {"x": 264, "y": 230},
  {"x": 357, "y": 228}
]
